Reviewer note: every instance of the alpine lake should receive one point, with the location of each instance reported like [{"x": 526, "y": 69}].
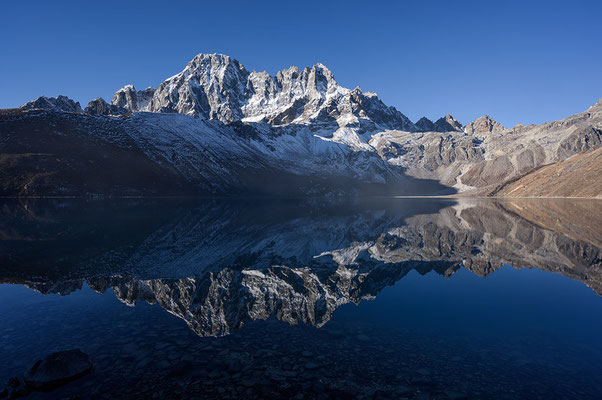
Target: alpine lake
[{"x": 369, "y": 298}]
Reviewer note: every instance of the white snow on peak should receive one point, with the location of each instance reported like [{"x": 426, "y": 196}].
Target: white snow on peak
[{"x": 216, "y": 86}]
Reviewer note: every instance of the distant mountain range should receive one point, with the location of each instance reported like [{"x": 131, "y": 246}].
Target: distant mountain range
[{"x": 217, "y": 129}]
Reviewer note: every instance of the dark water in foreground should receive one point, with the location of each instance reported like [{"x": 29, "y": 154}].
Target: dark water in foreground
[{"x": 396, "y": 298}]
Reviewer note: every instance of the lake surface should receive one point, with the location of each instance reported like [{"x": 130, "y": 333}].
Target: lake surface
[{"x": 371, "y": 298}]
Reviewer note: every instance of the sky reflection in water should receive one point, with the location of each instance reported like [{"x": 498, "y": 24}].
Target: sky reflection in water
[{"x": 262, "y": 297}]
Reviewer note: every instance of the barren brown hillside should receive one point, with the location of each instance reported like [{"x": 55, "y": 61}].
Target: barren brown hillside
[{"x": 578, "y": 176}]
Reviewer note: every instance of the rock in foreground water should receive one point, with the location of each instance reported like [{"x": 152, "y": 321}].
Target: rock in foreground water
[{"x": 58, "y": 369}]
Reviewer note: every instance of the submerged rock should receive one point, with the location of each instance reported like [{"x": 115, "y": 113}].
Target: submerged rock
[
  {"x": 14, "y": 389},
  {"x": 453, "y": 395},
  {"x": 58, "y": 369},
  {"x": 14, "y": 382}
]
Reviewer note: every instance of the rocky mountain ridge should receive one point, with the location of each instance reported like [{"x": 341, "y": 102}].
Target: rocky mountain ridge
[
  {"x": 480, "y": 162},
  {"x": 216, "y": 86},
  {"x": 60, "y": 103},
  {"x": 224, "y": 130}
]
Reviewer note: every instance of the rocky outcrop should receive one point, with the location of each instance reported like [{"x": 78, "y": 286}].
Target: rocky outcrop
[
  {"x": 484, "y": 125},
  {"x": 447, "y": 124},
  {"x": 100, "y": 107},
  {"x": 57, "y": 369},
  {"x": 60, "y": 103},
  {"x": 131, "y": 100},
  {"x": 144, "y": 98}
]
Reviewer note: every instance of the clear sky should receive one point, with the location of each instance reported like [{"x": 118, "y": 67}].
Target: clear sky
[{"x": 523, "y": 61}]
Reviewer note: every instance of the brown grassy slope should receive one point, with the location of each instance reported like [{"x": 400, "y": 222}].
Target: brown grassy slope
[{"x": 577, "y": 176}]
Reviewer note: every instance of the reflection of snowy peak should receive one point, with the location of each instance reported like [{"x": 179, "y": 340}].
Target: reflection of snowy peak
[
  {"x": 218, "y": 302},
  {"x": 220, "y": 266}
]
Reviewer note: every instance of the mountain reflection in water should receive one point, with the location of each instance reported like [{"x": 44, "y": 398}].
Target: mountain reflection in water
[{"x": 218, "y": 265}]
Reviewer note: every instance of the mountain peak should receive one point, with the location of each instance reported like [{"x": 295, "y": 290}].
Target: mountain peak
[
  {"x": 60, "y": 103},
  {"x": 425, "y": 125},
  {"x": 211, "y": 56},
  {"x": 323, "y": 68},
  {"x": 448, "y": 124},
  {"x": 484, "y": 124},
  {"x": 214, "y": 60},
  {"x": 216, "y": 86}
]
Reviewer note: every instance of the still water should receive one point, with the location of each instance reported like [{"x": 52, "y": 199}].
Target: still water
[{"x": 372, "y": 298}]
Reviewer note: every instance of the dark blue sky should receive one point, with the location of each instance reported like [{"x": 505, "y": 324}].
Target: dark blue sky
[{"x": 525, "y": 61}]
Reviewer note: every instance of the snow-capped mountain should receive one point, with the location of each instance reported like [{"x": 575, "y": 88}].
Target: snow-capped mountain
[
  {"x": 216, "y": 128},
  {"x": 215, "y": 86}
]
